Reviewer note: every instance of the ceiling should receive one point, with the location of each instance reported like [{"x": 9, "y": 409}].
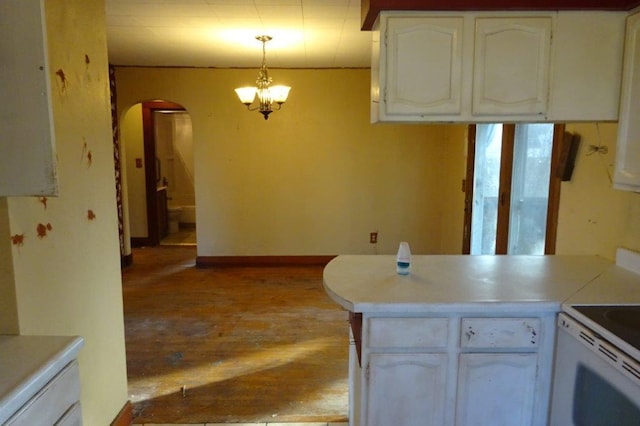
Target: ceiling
[
  {"x": 306, "y": 33},
  {"x": 221, "y": 33}
]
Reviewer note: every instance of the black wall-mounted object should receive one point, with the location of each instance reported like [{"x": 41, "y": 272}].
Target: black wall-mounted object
[{"x": 568, "y": 153}]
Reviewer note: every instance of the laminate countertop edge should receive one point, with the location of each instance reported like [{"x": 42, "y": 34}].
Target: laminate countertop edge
[{"x": 449, "y": 283}]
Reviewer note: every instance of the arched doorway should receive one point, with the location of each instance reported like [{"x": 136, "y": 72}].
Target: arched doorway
[{"x": 157, "y": 138}]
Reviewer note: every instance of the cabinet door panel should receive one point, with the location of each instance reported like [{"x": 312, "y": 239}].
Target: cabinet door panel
[
  {"x": 406, "y": 389},
  {"x": 511, "y": 66},
  {"x": 496, "y": 389},
  {"x": 586, "y": 66},
  {"x": 627, "y": 171},
  {"x": 424, "y": 65},
  {"x": 27, "y": 154}
]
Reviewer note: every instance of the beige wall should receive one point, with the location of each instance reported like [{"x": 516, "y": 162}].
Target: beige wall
[
  {"x": 317, "y": 177},
  {"x": 595, "y": 218},
  {"x": 454, "y": 163},
  {"x": 9, "y": 323},
  {"x": 68, "y": 282}
]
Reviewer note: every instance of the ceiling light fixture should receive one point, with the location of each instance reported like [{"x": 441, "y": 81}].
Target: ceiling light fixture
[{"x": 267, "y": 96}]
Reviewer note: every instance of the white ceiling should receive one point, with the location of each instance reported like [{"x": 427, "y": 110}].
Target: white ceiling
[{"x": 221, "y": 33}]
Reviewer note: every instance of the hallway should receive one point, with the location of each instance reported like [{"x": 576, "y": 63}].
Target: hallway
[{"x": 231, "y": 345}]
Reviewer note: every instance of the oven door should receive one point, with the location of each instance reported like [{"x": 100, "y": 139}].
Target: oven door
[{"x": 588, "y": 388}]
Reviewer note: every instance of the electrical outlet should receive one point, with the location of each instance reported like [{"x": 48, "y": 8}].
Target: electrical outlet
[{"x": 373, "y": 237}]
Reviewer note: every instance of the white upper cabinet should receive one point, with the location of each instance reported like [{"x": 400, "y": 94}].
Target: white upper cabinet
[
  {"x": 424, "y": 65},
  {"x": 511, "y": 66},
  {"x": 586, "y": 60},
  {"x": 27, "y": 147},
  {"x": 627, "y": 171},
  {"x": 497, "y": 66}
]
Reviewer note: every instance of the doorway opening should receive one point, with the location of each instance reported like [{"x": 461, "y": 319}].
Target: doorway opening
[
  {"x": 511, "y": 189},
  {"x": 160, "y": 176}
]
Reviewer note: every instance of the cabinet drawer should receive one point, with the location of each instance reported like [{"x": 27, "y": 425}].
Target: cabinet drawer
[
  {"x": 408, "y": 332},
  {"x": 52, "y": 401},
  {"x": 73, "y": 416},
  {"x": 500, "y": 332}
]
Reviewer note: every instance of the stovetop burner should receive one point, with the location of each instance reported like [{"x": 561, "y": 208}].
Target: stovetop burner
[{"x": 621, "y": 320}]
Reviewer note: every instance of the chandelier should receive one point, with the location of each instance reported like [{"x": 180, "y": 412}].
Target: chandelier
[{"x": 270, "y": 98}]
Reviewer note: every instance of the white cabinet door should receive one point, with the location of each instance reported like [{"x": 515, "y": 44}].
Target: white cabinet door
[
  {"x": 496, "y": 389},
  {"x": 627, "y": 170},
  {"x": 406, "y": 389},
  {"x": 27, "y": 156},
  {"x": 423, "y": 65},
  {"x": 511, "y": 66},
  {"x": 586, "y": 66}
]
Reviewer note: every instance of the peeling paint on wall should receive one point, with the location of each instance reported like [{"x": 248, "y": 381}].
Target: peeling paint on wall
[
  {"x": 17, "y": 240},
  {"x": 42, "y": 230},
  {"x": 86, "y": 153},
  {"x": 62, "y": 80}
]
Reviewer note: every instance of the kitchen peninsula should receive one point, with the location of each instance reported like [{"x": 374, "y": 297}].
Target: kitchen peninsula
[{"x": 460, "y": 340}]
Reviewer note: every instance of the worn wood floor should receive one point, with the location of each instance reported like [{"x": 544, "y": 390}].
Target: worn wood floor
[{"x": 231, "y": 345}]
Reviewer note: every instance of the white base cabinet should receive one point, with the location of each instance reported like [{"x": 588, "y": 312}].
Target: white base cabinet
[
  {"x": 496, "y": 389},
  {"x": 497, "y": 66},
  {"x": 422, "y": 402},
  {"x": 57, "y": 403},
  {"x": 40, "y": 381},
  {"x": 627, "y": 170},
  {"x": 456, "y": 368}
]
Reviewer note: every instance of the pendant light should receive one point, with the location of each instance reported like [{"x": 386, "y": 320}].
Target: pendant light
[{"x": 270, "y": 98}]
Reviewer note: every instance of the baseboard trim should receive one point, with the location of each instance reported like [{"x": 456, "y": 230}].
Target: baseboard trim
[
  {"x": 222, "y": 261},
  {"x": 137, "y": 242},
  {"x": 125, "y": 416},
  {"x": 126, "y": 260}
]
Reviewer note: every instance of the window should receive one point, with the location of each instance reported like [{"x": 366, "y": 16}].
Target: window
[{"x": 512, "y": 194}]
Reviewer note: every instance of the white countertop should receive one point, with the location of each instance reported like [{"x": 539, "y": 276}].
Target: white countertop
[
  {"x": 615, "y": 286},
  {"x": 442, "y": 283},
  {"x": 27, "y": 363}
]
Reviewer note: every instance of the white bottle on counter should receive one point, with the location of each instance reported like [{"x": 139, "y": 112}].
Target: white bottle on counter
[{"x": 403, "y": 260}]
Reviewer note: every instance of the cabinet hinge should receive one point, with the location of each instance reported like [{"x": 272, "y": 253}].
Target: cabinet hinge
[
  {"x": 366, "y": 373},
  {"x": 386, "y": 36}
]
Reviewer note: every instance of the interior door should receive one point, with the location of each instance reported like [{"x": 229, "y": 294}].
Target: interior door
[
  {"x": 512, "y": 188},
  {"x": 156, "y": 205}
]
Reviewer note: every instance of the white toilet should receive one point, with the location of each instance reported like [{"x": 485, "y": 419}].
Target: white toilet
[{"x": 174, "y": 213}]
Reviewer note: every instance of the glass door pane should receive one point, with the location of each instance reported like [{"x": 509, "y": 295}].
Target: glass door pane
[
  {"x": 486, "y": 184},
  {"x": 530, "y": 188}
]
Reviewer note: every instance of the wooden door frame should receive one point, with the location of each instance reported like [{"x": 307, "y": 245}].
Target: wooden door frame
[
  {"x": 151, "y": 170},
  {"x": 560, "y": 140},
  {"x": 467, "y": 187},
  {"x": 504, "y": 189}
]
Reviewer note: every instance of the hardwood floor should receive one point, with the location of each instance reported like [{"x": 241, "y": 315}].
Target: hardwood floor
[{"x": 231, "y": 345}]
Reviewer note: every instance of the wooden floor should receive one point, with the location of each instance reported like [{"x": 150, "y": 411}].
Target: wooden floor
[{"x": 231, "y": 345}]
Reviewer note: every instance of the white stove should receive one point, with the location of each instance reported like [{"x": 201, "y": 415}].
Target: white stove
[{"x": 597, "y": 366}]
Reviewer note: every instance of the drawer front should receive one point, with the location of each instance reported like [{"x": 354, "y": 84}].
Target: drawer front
[
  {"x": 521, "y": 333},
  {"x": 73, "y": 416},
  {"x": 408, "y": 332},
  {"x": 52, "y": 401}
]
